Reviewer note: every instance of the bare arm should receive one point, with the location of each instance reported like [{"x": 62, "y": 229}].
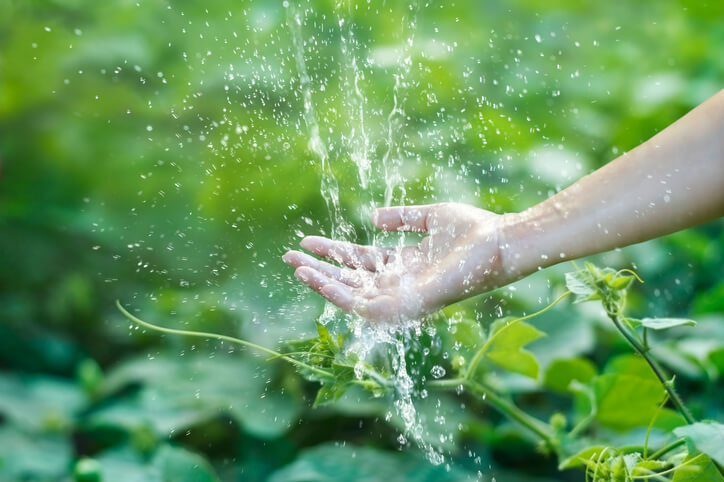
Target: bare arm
[{"x": 670, "y": 182}]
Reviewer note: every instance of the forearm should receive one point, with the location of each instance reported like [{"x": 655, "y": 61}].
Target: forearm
[{"x": 672, "y": 181}]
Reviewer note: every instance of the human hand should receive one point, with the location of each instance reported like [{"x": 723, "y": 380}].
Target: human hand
[{"x": 459, "y": 258}]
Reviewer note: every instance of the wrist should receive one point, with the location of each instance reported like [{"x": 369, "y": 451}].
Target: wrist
[{"x": 524, "y": 244}]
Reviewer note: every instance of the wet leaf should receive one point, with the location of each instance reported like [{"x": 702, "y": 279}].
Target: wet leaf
[
  {"x": 332, "y": 463},
  {"x": 507, "y": 351},
  {"x": 469, "y": 334},
  {"x": 660, "y": 323},
  {"x": 178, "y": 464},
  {"x": 331, "y": 392},
  {"x": 579, "y": 283},
  {"x": 706, "y": 437}
]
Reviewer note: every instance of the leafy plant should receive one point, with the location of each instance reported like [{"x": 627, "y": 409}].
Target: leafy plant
[{"x": 632, "y": 393}]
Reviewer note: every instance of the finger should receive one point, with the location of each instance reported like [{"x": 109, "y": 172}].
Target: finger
[
  {"x": 348, "y": 254},
  {"x": 316, "y": 280},
  {"x": 335, "y": 292},
  {"x": 298, "y": 259},
  {"x": 403, "y": 218},
  {"x": 343, "y": 298}
]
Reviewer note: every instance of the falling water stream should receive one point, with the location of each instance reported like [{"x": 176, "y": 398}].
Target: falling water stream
[{"x": 375, "y": 176}]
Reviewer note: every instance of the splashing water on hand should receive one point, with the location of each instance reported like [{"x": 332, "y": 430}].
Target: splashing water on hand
[{"x": 369, "y": 337}]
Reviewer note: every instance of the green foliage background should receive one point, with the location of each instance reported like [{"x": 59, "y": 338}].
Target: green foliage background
[{"x": 156, "y": 153}]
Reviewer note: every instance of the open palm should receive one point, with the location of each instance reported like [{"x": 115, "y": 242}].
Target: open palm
[{"x": 459, "y": 257}]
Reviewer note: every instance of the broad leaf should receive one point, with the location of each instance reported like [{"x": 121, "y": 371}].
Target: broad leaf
[
  {"x": 123, "y": 463},
  {"x": 33, "y": 457},
  {"x": 38, "y": 403},
  {"x": 703, "y": 470},
  {"x": 178, "y": 464},
  {"x": 332, "y": 463},
  {"x": 506, "y": 349},
  {"x": 181, "y": 391},
  {"x": 707, "y": 437},
  {"x": 660, "y": 323},
  {"x": 626, "y": 401},
  {"x": 630, "y": 364},
  {"x": 561, "y": 373},
  {"x": 469, "y": 334}
]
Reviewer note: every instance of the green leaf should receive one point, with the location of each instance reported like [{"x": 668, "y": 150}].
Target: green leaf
[
  {"x": 707, "y": 437},
  {"x": 579, "y": 283},
  {"x": 177, "y": 392},
  {"x": 331, "y": 392},
  {"x": 645, "y": 467},
  {"x": 620, "y": 282},
  {"x": 630, "y": 364},
  {"x": 716, "y": 358},
  {"x": 332, "y": 463},
  {"x": 660, "y": 323},
  {"x": 178, "y": 464},
  {"x": 703, "y": 470},
  {"x": 123, "y": 463},
  {"x": 595, "y": 283},
  {"x": 561, "y": 373},
  {"x": 38, "y": 403},
  {"x": 169, "y": 463},
  {"x": 26, "y": 456},
  {"x": 469, "y": 334},
  {"x": 579, "y": 457},
  {"x": 506, "y": 348},
  {"x": 324, "y": 335},
  {"x": 302, "y": 345},
  {"x": 626, "y": 401}
]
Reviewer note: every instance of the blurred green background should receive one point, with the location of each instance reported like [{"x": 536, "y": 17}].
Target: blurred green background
[{"x": 157, "y": 153}]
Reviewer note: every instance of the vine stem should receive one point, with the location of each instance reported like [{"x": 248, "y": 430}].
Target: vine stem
[
  {"x": 504, "y": 406},
  {"x": 668, "y": 385},
  {"x": 667, "y": 448},
  {"x": 230, "y": 339},
  {"x": 479, "y": 355}
]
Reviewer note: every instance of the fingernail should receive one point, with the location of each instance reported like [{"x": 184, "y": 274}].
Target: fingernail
[{"x": 301, "y": 275}]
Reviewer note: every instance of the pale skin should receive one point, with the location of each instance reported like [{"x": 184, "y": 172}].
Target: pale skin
[{"x": 673, "y": 181}]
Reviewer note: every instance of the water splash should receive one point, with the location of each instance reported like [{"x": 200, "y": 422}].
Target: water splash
[
  {"x": 397, "y": 342},
  {"x": 341, "y": 229},
  {"x": 377, "y": 179}
]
